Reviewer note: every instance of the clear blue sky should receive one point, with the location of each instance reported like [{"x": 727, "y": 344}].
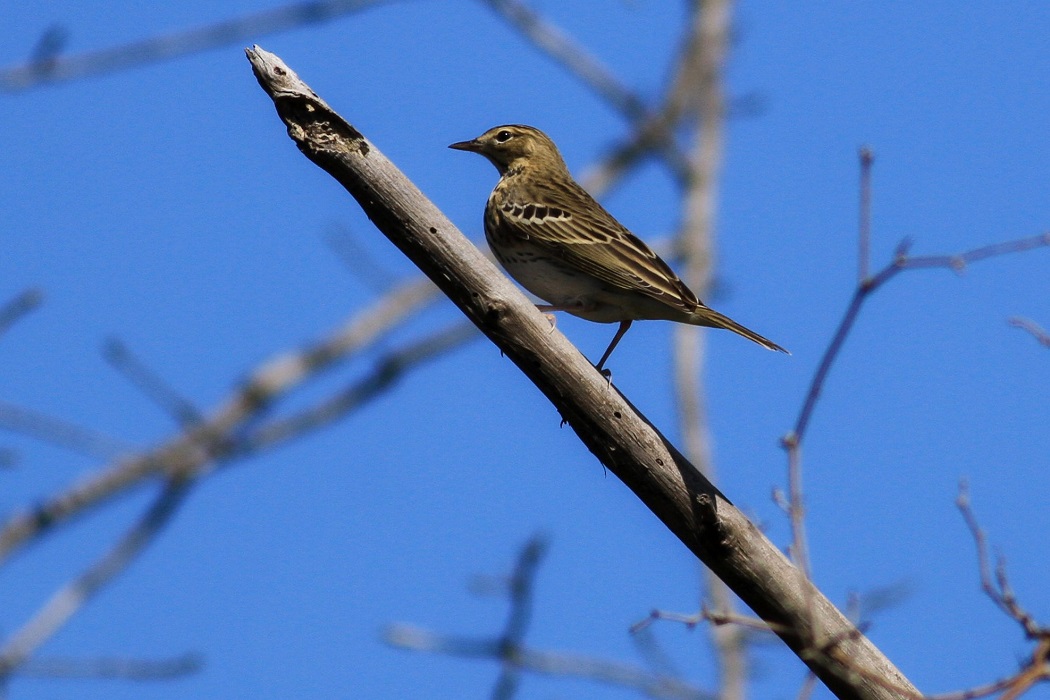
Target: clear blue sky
[{"x": 166, "y": 206}]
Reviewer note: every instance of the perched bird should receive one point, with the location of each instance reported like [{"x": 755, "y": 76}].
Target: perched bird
[{"x": 561, "y": 245}]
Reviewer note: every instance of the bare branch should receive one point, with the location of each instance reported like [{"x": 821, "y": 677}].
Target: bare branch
[
  {"x": 867, "y": 159},
  {"x": 548, "y": 663},
  {"x": 997, "y": 588},
  {"x": 219, "y": 436},
  {"x": 61, "y": 433},
  {"x": 47, "y": 67},
  {"x": 521, "y": 586},
  {"x": 127, "y": 669},
  {"x": 389, "y": 370},
  {"x": 69, "y": 599},
  {"x": 18, "y": 307},
  {"x": 699, "y": 82},
  {"x": 792, "y": 441},
  {"x": 552, "y": 41},
  {"x": 622, "y": 439},
  {"x": 902, "y": 261},
  {"x": 652, "y": 132},
  {"x": 1041, "y": 336},
  {"x": 146, "y": 380}
]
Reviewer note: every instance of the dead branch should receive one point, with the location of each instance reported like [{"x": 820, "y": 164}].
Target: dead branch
[
  {"x": 388, "y": 370},
  {"x": 69, "y": 599},
  {"x": 221, "y": 436},
  {"x": 901, "y": 262},
  {"x": 997, "y": 588},
  {"x": 61, "y": 433},
  {"x": 150, "y": 383},
  {"x": 46, "y": 66},
  {"x": 18, "y": 307},
  {"x": 699, "y": 83},
  {"x": 630, "y": 447},
  {"x": 652, "y": 132},
  {"x": 127, "y": 669},
  {"x": 509, "y": 650},
  {"x": 1040, "y": 335}
]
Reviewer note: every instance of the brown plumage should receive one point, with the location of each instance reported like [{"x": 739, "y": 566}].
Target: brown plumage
[{"x": 561, "y": 245}]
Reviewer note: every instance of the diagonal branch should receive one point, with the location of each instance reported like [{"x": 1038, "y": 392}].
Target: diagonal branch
[
  {"x": 18, "y": 307},
  {"x": 1037, "y": 332},
  {"x": 61, "y": 433},
  {"x": 611, "y": 428},
  {"x": 45, "y": 67},
  {"x": 68, "y": 600},
  {"x": 146, "y": 380},
  {"x": 653, "y": 132},
  {"x": 389, "y": 369},
  {"x": 218, "y": 437}
]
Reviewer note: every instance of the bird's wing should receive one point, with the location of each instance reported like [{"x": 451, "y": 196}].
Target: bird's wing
[{"x": 571, "y": 225}]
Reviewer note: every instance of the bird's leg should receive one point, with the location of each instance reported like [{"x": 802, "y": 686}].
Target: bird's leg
[{"x": 624, "y": 325}]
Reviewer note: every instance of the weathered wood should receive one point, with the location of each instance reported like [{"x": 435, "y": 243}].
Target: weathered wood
[{"x": 618, "y": 435}]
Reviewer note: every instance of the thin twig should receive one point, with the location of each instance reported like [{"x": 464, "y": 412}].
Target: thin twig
[
  {"x": 549, "y": 663},
  {"x": 867, "y": 158},
  {"x": 69, "y": 599},
  {"x": 715, "y": 617},
  {"x": 128, "y": 669},
  {"x": 61, "y": 433},
  {"x": 573, "y": 58},
  {"x": 48, "y": 67},
  {"x": 521, "y": 599},
  {"x": 996, "y": 586},
  {"x": 18, "y": 307},
  {"x": 149, "y": 383},
  {"x": 389, "y": 370},
  {"x": 514, "y": 657},
  {"x": 1041, "y": 336},
  {"x": 902, "y": 261},
  {"x": 867, "y": 285},
  {"x": 652, "y": 130},
  {"x": 217, "y": 437}
]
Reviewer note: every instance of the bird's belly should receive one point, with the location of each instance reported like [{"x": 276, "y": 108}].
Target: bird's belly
[
  {"x": 576, "y": 292},
  {"x": 552, "y": 281}
]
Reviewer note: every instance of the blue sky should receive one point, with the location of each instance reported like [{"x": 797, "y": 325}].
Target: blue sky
[{"x": 166, "y": 207}]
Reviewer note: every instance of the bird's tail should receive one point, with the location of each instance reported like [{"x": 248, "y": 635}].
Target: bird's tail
[{"x": 704, "y": 316}]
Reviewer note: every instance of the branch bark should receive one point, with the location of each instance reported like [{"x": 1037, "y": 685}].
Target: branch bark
[{"x": 611, "y": 428}]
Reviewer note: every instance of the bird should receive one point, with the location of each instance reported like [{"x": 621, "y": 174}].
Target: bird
[{"x": 560, "y": 244}]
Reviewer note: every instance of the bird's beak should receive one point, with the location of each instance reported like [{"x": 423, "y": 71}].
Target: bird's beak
[{"x": 471, "y": 145}]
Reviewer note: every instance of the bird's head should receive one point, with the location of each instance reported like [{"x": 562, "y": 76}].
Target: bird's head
[{"x": 515, "y": 147}]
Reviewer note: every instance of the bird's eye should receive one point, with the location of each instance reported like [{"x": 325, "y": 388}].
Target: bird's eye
[{"x": 503, "y": 136}]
